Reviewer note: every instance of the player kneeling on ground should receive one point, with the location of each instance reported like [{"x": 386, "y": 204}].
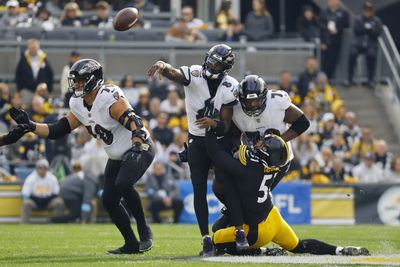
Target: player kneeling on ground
[{"x": 253, "y": 174}]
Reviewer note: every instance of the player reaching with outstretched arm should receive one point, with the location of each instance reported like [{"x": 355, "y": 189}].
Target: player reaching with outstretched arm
[
  {"x": 14, "y": 135},
  {"x": 205, "y": 85},
  {"x": 107, "y": 115}
]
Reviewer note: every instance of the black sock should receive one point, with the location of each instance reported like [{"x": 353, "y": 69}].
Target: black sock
[
  {"x": 201, "y": 207},
  {"x": 314, "y": 246}
]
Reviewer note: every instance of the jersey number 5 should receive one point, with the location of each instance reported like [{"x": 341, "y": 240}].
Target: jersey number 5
[
  {"x": 264, "y": 188},
  {"x": 102, "y": 133}
]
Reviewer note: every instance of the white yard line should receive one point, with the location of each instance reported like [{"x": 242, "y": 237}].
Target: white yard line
[{"x": 390, "y": 260}]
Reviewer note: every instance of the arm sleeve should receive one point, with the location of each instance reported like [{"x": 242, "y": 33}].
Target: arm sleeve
[{"x": 221, "y": 158}]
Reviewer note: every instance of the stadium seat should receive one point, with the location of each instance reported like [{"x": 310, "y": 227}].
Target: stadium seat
[
  {"x": 89, "y": 34},
  {"x": 29, "y": 33},
  {"x": 64, "y": 33},
  {"x": 112, "y": 36},
  {"x": 213, "y": 35},
  {"x": 23, "y": 172},
  {"x": 162, "y": 24},
  {"x": 148, "y": 35}
]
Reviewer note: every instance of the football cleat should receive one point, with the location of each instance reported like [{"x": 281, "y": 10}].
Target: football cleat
[
  {"x": 354, "y": 251},
  {"x": 208, "y": 247},
  {"x": 146, "y": 239},
  {"x": 241, "y": 240},
  {"x": 125, "y": 249}
]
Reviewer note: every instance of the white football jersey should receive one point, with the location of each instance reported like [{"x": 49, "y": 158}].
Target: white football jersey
[
  {"x": 272, "y": 116},
  {"x": 197, "y": 92},
  {"x": 98, "y": 121}
]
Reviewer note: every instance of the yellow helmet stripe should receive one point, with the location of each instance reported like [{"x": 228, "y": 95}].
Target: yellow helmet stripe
[{"x": 242, "y": 155}]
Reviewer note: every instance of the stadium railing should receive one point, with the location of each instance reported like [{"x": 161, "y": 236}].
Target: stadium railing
[
  {"x": 388, "y": 73},
  {"x": 133, "y": 56}
]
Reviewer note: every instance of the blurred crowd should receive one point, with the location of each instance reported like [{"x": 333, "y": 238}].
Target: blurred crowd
[
  {"x": 325, "y": 27},
  {"x": 334, "y": 150}
]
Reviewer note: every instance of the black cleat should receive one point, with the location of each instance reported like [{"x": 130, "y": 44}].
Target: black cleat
[
  {"x": 146, "y": 240},
  {"x": 222, "y": 221},
  {"x": 241, "y": 240},
  {"x": 125, "y": 249},
  {"x": 208, "y": 247},
  {"x": 354, "y": 251}
]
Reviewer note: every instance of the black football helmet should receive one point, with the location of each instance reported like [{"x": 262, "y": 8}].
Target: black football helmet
[
  {"x": 253, "y": 95},
  {"x": 218, "y": 62},
  {"x": 274, "y": 151},
  {"x": 87, "y": 74}
]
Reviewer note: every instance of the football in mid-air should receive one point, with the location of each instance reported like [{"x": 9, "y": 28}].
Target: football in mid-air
[{"x": 125, "y": 19}]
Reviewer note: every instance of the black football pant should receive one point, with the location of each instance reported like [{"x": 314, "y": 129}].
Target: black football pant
[
  {"x": 74, "y": 211},
  {"x": 157, "y": 205},
  {"x": 370, "y": 55},
  {"x": 120, "y": 178},
  {"x": 199, "y": 164},
  {"x": 329, "y": 58}
]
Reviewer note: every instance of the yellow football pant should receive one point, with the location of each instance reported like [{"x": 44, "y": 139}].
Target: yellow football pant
[{"x": 274, "y": 228}]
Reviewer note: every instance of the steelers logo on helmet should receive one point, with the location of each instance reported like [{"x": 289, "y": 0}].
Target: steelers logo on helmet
[
  {"x": 218, "y": 62},
  {"x": 85, "y": 75},
  {"x": 273, "y": 151},
  {"x": 253, "y": 95}
]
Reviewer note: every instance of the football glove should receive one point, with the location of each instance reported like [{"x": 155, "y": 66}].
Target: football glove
[
  {"x": 21, "y": 117},
  {"x": 16, "y": 133},
  {"x": 183, "y": 154}
]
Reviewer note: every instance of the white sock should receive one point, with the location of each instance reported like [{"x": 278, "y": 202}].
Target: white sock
[{"x": 339, "y": 250}]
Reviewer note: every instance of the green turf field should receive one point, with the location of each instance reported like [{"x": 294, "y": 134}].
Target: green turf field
[{"x": 174, "y": 245}]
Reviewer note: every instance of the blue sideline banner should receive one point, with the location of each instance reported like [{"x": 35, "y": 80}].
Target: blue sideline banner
[
  {"x": 292, "y": 199},
  {"x": 188, "y": 215},
  {"x": 294, "y": 202}
]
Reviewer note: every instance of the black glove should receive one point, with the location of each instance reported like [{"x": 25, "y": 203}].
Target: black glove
[
  {"x": 183, "y": 154},
  {"x": 21, "y": 117},
  {"x": 16, "y": 133},
  {"x": 134, "y": 153}
]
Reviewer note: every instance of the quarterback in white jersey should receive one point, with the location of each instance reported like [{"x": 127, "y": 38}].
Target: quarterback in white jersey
[
  {"x": 108, "y": 116},
  {"x": 208, "y": 87}
]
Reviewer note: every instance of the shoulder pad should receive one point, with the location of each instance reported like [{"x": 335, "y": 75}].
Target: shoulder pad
[{"x": 279, "y": 99}]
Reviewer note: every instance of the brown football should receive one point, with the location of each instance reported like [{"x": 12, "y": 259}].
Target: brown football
[{"x": 125, "y": 19}]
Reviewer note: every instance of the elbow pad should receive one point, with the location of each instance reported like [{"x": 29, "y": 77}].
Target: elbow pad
[
  {"x": 300, "y": 125},
  {"x": 59, "y": 128},
  {"x": 128, "y": 117}
]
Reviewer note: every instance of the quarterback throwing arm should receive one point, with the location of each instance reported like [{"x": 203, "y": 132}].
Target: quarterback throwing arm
[{"x": 208, "y": 88}]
